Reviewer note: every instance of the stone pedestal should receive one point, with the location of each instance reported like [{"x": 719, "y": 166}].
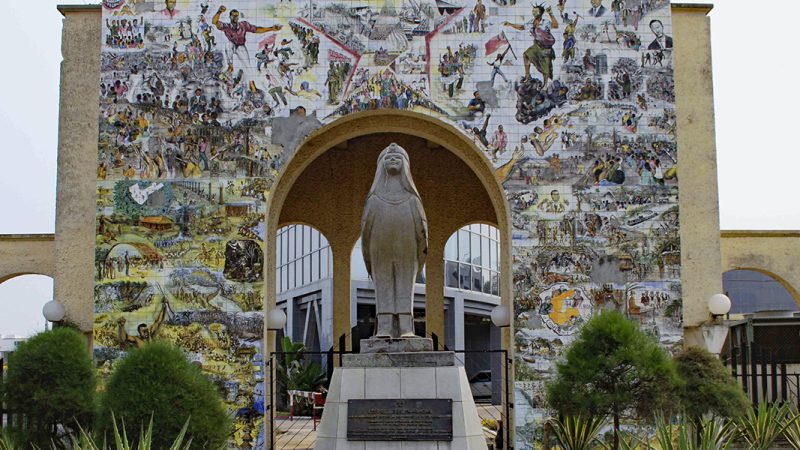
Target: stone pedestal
[
  {"x": 396, "y": 345},
  {"x": 406, "y": 376}
]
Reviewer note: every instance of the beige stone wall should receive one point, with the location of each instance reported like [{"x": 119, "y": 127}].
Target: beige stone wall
[
  {"x": 775, "y": 253},
  {"x": 26, "y": 254},
  {"x": 697, "y": 159},
  {"x": 77, "y": 158}
]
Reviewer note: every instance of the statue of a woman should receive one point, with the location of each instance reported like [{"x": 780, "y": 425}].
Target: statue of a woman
[{"x": 394, "y": 238}]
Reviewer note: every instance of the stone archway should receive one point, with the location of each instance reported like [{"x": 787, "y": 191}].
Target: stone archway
[{"x": 324, "y": 184}]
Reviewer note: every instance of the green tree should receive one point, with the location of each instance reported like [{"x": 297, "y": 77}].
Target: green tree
[
  {"x": 157, "y": 381},
  {"x": 707, "y": 387},
  {"x": 613, "y": 368},
  {"x": 50, "y": 385}
]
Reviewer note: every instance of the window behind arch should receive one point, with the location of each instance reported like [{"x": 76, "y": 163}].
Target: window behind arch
[
  {"x": 472, "y": 259},
  {"x": 303, "y": 256}
]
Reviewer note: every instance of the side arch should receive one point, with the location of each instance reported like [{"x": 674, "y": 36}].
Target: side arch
[{"x": 26, "y": 254}]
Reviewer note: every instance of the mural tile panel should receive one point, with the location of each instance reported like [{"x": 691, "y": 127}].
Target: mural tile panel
[{"x": 202, "y": 102}]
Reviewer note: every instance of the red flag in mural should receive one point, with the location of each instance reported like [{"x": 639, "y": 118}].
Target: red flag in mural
[
  {"x": 495, "y": 43},
  {"x": 268, "y": 41}
]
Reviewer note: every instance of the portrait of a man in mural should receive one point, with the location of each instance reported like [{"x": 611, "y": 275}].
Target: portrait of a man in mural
[
  {"x": 169, "y": 9},
  {"x": 662, "y": 41}
]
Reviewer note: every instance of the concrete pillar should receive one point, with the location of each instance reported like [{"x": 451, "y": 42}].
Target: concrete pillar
[
  {"x": 341, "y": 249},
  {"x": 289, "y": 308},
  {"x": 434, "y": 288},
  {"x": 326, "y": 339},
  {"x": 78, "y": 129},
  {"x": 701, "y": 266},
  {"x": 458, "y": 326}
]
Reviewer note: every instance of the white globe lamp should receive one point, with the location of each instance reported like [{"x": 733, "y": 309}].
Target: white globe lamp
[
  {"x": 53, "y": 311},
  {"x": 719, "y": 304},
  {"x": 501, "y": 316},
  {"x": 276, "y": 319}
]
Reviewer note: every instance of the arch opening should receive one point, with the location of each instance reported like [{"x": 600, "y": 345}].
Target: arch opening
[
  {"x": 325, "y": 183},
  {"x": 22, "y": 297}
]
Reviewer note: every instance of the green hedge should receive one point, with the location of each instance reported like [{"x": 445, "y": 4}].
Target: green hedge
[
  {"x": 157, "y": 381},
  {"x": 50, "y": 382}
]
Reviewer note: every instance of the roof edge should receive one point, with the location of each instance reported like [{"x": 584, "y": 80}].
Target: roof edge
[
  {"x": 760, "y": 233},
  {"x": 706, "y": 7},
  {"x": 64, "y": 9},
  {"x": 27, "y": 237}
]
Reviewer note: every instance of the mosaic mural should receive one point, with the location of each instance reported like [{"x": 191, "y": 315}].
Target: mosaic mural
[{"x": 202, "y": 102}]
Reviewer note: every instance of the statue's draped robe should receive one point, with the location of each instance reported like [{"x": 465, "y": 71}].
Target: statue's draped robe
[{"x": 394, "y": 244}]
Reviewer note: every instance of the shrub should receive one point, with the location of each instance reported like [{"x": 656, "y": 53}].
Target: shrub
[
  {"x": 611, "y": 368},
  {"x": 50, "y": 385},
  {"x": 708, "y": 386},
  {"x": 156, "y": 381}
]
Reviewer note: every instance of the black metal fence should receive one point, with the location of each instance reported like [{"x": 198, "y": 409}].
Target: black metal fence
[
  {"x": 294, "y": 407},
  {"x": 765, "y": 374}
]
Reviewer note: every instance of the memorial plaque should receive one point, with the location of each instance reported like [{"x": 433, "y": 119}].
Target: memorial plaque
[{"x": 400, "y": 420}]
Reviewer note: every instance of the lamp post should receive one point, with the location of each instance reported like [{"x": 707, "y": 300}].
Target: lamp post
[
  {"x": 53, "y": 311},
  {"x": 276, "y": 319},
  {"x": 501, "y": 316},
  {"x": 719, "y": 305},
  {"x": 716, "y": 330}
]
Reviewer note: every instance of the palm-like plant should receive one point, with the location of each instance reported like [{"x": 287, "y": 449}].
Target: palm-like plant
[
  {"x": 761, "y": 427},
  {"x": 577, "y": 432},
  {"x": 84, "y": 440},
  {"x": 791, "y": 432},
  {"x": 716, "y": 434},
  {"x": 5, "y": 442}
]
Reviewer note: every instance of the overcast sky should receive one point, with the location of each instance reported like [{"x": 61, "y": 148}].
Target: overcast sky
[{"x": 754, "y": 84}]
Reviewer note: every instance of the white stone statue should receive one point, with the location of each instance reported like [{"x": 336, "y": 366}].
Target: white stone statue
[{"x": 394, "y": 238}]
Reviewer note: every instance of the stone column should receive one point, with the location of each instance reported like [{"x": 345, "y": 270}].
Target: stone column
[
  {"x": 458, "y": 327},
  {"x": 701, "y": 266},
  {"x": 341, "y": 249},
  {"x": 77, "y": 158},
  {"x": 434, "y": 287}
]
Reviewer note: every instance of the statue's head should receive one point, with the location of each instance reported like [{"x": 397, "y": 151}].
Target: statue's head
[{"x": 393, "y": 162}]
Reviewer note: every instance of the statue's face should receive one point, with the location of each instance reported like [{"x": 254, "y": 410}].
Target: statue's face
[{"x": 393, "y": 163}]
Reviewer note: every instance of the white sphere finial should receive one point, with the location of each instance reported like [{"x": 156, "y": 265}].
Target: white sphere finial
[
  {"x": 719, "y": 304},
  {"x": 501, "y": 316},
  {"x": 276, "y": 319},
  {"x": 53, "y": 311}
]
